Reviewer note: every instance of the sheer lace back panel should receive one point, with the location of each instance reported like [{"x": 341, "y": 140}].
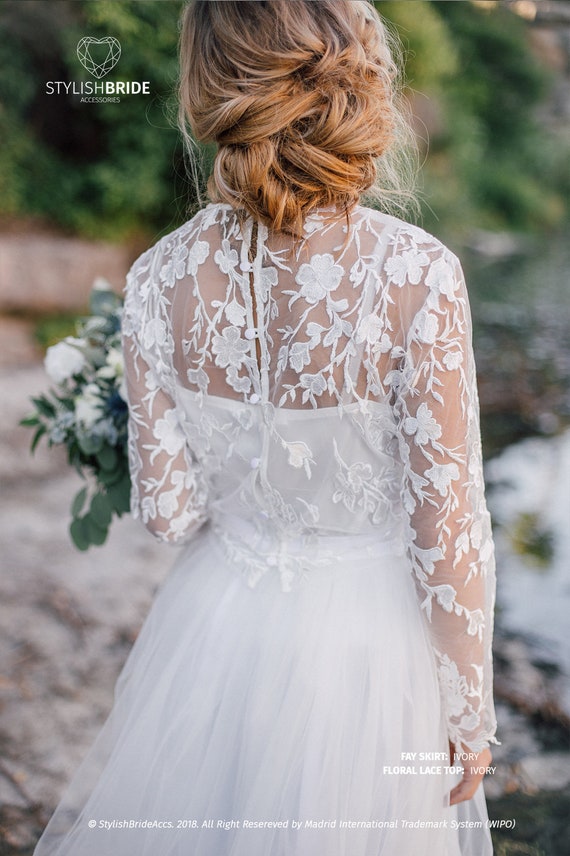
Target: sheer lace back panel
[{"x": 322, "y": 388}]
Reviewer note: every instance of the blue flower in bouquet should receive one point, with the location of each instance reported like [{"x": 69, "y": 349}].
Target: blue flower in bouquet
[
  {"x": 117, "y": 405},
  {"x": 63, "y": 423},
  {"x": 86, "y": 410}
]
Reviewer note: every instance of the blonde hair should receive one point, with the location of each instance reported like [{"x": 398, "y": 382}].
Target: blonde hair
[{"x": 301, "y": 98}]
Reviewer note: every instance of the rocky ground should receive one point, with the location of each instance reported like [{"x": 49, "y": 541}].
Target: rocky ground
[{"x": 68, "y": 620}]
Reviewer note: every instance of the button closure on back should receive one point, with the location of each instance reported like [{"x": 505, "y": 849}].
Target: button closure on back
[
  {"x": 253, "y": 399},
  {"x": 250, "y": 333}
]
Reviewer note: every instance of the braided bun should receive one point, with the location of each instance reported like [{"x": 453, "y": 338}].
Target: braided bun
[{"x": 299, "y": 97}]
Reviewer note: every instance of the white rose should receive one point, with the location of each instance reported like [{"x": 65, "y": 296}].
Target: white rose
[
  {"x": 64, "y": 360},
  {"x": 102, "y": 284},
  {"x": 88, "y": 406},
  {"x": 115, "y": 361},
  {"x": 114, "y": 365}
]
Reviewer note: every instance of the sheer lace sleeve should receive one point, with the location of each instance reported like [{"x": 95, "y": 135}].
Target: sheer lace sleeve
[
  {"x": 168, "y": 492},
  {"x": 449, "y": 534}
]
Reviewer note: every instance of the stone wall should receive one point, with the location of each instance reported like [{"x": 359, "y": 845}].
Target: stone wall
[{"x": 49, "y": 273}]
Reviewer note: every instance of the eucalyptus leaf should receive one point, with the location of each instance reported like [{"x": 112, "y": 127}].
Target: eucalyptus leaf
[
  {"x": 109, "y": 477},
  {"x": 66, "y": 403},
  {"x": 107, "y": 458},
  {"x": 37, "y": 437},
  {"x": 29, "y": 421},
  {"x": 75, "y": 459},
  {"x": 79, "y": 502},
  {"x": 120, "y": 496},
  {"x": 45, "y": 407},
  {"x": 101, "y": 511},
  {"x": 79, "y": 533},
  {"x": 89, "y": 445},
  {"x": 96, "y": 534}
]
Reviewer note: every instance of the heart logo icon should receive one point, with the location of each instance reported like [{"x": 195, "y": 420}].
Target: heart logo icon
[{"x": 95, "y": 67}]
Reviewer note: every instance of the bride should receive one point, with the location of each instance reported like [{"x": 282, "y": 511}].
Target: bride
[{"x": 315, "y": 675}]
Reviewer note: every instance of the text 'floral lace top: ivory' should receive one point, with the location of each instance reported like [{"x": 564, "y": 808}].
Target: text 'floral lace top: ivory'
[{"x": 290, "y": 392}]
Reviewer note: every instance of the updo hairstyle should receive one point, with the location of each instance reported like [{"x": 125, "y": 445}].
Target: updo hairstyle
[{"x": 300, "y": 98}]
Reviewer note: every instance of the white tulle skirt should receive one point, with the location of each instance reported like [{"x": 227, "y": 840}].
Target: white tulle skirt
[{"x": 254, "y": 722}]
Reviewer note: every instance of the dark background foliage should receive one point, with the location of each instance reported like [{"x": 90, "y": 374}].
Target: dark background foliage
[{"x": 109, "y": 170}]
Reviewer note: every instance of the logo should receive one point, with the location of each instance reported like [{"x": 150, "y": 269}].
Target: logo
[
  {"x": 93, "y": 66},
  {"x": 98, "y": 57}
]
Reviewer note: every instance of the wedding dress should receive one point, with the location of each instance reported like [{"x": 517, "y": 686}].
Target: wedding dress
[{"x": 304, "y": 415}]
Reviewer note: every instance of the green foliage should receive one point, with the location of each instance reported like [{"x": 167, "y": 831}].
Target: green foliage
[
  {"x": 429, "y": 53},
  {"x": 500, "y": 79},
  {"x": 490, "y": 163},
  {"x": 111, "y": 170},
  {"x": 101, "y": 169},
  {"x": 493, "y": 144},
  {"x": 50, "y": 329},
  {"x": 111, "y": 496}
]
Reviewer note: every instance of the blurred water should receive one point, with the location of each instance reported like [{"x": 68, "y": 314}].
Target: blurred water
[
  {"x": 529, "y": 498},
  {"x": 535, "y": 274},
  {"x": 521, "y": 311}
]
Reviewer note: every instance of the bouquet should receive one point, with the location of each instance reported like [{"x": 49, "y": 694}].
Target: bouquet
[{"x": 86, "y": 411}]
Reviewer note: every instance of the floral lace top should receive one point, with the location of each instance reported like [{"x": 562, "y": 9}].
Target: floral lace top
[{"x": 326, "y": 387}]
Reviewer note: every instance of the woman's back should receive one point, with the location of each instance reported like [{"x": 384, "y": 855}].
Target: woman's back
[{"x": 295, "y": 392}]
